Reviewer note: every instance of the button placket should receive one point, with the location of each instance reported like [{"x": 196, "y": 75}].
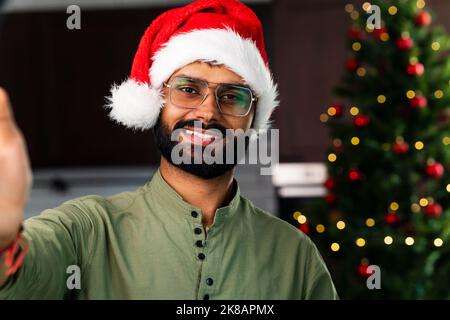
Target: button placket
[
  {"x": 199, "y": 241},
  {"x": 213, "y": 251},
  {"x": 209, "y": 259},
  {"x": 198, "y": 230}
]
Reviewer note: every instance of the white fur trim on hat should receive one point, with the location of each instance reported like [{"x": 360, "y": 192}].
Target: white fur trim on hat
[{"x": 135, "y": 105}]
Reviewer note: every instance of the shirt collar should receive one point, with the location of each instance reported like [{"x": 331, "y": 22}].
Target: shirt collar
[{"x": 170, "y": 199}]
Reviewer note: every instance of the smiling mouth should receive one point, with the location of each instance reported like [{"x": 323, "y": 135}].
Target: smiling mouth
[{"x": 199, "y": 136}]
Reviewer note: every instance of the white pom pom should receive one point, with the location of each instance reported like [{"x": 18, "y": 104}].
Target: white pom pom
[{"x": 135, "y": 105}]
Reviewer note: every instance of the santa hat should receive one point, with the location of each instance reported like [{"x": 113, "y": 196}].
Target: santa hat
[{"x": 223, "y": 31}]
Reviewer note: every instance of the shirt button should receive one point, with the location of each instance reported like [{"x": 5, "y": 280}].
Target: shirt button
[
  {"x": 194, "y": 214},
  {"x": 201, "y": 256},
  {"x": 209, "y": 281},
  {"x": 199, "y": 243},
  {"x": 197, "y": 230},
  {"x": 206, "y": 297}
]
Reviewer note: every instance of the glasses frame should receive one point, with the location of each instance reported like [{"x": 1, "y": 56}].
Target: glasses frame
[{"x": 253, "y": 100}]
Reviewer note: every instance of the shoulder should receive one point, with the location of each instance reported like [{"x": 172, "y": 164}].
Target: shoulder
[
  {"x": 116, "y": 203},
  {"x": 291, "y": 244},
  {"x": 90, "y": 210},
  {"x": 272, "y": 225}
]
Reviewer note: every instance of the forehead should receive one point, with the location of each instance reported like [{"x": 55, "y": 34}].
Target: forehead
[{"x": 209, "y": 72}]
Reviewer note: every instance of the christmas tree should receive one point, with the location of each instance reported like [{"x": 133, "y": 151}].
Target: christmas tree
[{"x": 388, "y": 190}]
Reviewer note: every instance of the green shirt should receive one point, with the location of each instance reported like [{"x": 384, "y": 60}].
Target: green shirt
[{"x": 150, "y": 244}]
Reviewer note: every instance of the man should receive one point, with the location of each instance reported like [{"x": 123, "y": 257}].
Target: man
[{"x": 187, "y": 233}]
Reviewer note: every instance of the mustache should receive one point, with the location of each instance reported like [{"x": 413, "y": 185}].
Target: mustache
[{"x": 192, "y": 122}]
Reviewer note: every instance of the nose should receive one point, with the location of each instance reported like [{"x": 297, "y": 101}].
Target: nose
[{"x": 208, "y": 110}]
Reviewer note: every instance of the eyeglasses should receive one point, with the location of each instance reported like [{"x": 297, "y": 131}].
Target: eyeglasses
[{"x": 231, "y": 99}]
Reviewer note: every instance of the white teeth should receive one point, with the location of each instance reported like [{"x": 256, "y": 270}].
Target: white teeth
[{"x": 200, "y": 135}]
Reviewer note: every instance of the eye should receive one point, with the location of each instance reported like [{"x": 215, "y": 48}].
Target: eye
[
  {"x": 229, "y": 96},
  {"x": 188, "y": 90}
]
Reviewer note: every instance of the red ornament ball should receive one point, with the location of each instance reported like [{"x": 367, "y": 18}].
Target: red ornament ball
[
  {"x": 356, "y": 34},
  {"x": 362, "y": 270},
  {"x": 418, "y": 102},
  {"x": 330, "y": 183},
  {"x": 361, "y": 120},
  {"x": 391, "y": 218},
  {"x": 423, "y": 19},
  {"x": 304, "y": 227},
  {"x": 354, "y": 175},
  {"x": 352, "y": 64},
  {"x": 433, "y": 210},
  {"x": 330, "y": 199},
  {"x": 416, "y": 69},
  {"x": 377, "y": 33},
  {"x": 404, "y": 43},
  {"x": 400, "y": 148},
  {"x": 435, "y": 170}
]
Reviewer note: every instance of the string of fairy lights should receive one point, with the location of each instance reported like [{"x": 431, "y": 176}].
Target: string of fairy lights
[
  {"x": 360, "y": 241},
  {"x": 399, "y": 145}
]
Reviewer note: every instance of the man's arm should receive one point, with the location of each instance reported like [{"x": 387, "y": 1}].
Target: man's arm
[
  {"x": 58, "y": 238},
  {"x": 15, "y": 178},
  {"x": 320, "y": 285}
]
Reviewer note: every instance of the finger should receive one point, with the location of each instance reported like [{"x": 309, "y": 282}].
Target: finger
[
  {"x": 6, "y": 113},
  {"x": 8, "y": 127}
]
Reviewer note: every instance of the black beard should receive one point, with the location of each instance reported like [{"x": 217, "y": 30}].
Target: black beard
[{"x": 206, "y": 171}]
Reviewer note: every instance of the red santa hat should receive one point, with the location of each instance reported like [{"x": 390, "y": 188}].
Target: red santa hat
[{"x": 223, "y": 31}]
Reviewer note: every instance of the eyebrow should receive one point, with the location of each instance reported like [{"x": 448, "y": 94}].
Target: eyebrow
[{"x": 202, "y": 79}]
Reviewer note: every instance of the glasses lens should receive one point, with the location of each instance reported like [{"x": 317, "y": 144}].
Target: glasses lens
[
  {"x": 186, "y": 92},
  {"x": 234, "y": 100}
]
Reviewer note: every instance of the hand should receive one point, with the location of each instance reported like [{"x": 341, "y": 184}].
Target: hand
[{"x": 15, "y": 173}]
